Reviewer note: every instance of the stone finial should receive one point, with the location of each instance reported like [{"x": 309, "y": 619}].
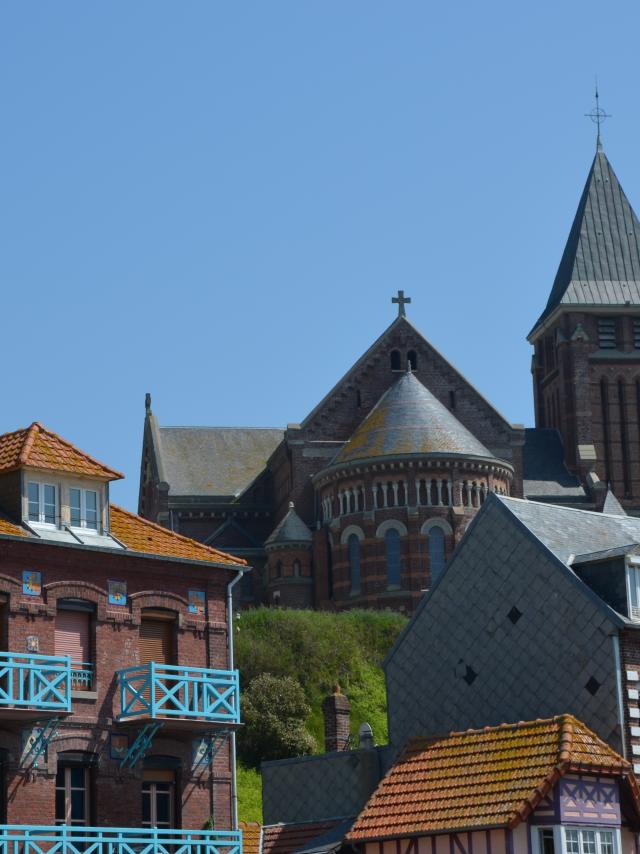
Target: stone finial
[{"x": 147, "y": 403}]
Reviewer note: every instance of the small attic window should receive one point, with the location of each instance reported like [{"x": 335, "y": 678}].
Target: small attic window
[
  {"x": 412, "y": 360},
  {"x": 43, "y": 503},
  {"x": 83, "y": 508},
  {"x": 396, "y": 361}
]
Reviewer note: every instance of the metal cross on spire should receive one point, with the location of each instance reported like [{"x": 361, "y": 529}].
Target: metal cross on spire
[
  {"x": 597, "y": 116},
  {"x": 401, "y": 300}
]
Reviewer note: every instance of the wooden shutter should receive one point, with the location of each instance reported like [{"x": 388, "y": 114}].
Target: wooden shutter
[
  {"x": 156, "y": 641},
  {"x": 72, "y": 635}
]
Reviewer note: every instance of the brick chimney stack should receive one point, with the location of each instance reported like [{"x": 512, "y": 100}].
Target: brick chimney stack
[{"x": 336, "y": 709}]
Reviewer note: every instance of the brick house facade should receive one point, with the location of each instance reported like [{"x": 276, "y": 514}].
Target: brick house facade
[{"x": 117, "y": 688}]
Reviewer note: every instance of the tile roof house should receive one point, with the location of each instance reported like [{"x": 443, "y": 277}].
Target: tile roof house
[
  {"x": 530, "y": 786},
  {"x": 115, "y": 666}
]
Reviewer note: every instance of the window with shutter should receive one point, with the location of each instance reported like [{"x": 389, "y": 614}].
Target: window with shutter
[
  {"x": 156, "y": 641},
  {"x": 73, "y": 638}
]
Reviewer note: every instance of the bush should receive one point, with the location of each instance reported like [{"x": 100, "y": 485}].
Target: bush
[
  {"x": 318, "y": 649},
  {"x": 274, "y": 710}
]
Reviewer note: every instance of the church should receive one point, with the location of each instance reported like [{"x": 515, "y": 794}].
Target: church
[{"x": 362, "y": 503}]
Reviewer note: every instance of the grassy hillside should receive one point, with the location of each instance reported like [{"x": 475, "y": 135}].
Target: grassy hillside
[{"x": 318, "y": 649}]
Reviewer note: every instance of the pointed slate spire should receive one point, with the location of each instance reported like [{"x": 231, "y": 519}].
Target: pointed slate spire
[
  {"x": 600, "y": 265},
  {"x": 291, "y": 529}
]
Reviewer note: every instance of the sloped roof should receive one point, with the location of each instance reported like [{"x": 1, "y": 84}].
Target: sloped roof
[
  {"x": 612, "y": 506},
  {"x": 545, "y": 475},
  {"x": 492, "y": 777},
  {"x": 408, "y": 419},
  {"x": 43, "y": 449},
  {"x": 601, "y": 261},
  {"x": 7, "y": 527},
  {"x": 287, "y": 838},
  {"x": 251, "y": 836},
  {"x": 567, "y": 531},
  {"x": 140, "y": 535},
  {"x": 215, "y": 460},
  {"x": 290, "y": 529}
]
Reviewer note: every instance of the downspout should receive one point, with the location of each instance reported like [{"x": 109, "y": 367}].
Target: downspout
[
  {"x": 234, "y": 781},
  {"x": 616, "y": 658}
]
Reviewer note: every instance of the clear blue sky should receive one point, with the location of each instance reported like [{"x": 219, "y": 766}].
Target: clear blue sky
[{"x": 215, "y": 202}]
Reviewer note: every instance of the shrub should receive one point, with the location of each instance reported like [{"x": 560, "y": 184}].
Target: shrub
[{"x": 274, "y": 710}]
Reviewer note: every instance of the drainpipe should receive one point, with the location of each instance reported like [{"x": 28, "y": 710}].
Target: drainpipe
[
  {"x": 234, "y": 781},
  {"x": 619, "y": 696}
]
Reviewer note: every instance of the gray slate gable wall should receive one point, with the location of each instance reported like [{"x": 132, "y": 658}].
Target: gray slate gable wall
[{"x": 537, "y": 667}]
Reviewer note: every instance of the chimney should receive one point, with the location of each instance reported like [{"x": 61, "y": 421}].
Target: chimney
[{"x": 336, "y": 709}]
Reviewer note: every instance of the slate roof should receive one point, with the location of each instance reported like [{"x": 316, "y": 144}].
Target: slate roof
[
  {"x": 408, "y": 420},
  {"x": 601, "y": 260},
  {"x": 290, "y": 529},
  {"x": 545, "y": 476},
  {"x": 612, "y": 506},
  {"x": 215, "y": 460},
  {"x": 491, "y": 777},
  {"x": 43, "y": 449},
  {"x": 567, "y": 531}
]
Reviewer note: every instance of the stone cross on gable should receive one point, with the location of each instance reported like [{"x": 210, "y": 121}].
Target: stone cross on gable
[{"x": 401, "y": 300}]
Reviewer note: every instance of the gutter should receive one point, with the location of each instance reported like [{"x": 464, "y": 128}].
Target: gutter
[{"x": 234, "y": 775}]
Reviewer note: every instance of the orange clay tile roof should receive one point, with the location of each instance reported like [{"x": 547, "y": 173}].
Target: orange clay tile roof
[
  {"x": 286, "y": 838},
  {"x": 140, "y": 535},
  {"x": 7, "y": 527},
  {"x": 251, "y": 831},
  {"x": 43, "y": 449},
  {"x": 491, "y": 777}
]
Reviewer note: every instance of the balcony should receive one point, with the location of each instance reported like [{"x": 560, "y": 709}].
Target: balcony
[
  {"x": 166, "y": 692},
  {"x": 31, "y": 839},
  {"x": 34, "y": 684}
]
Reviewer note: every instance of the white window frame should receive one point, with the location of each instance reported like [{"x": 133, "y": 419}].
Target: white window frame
[
  {"x": 83, "y": 509},
  {"x": 560, "y": 836},
  {"x": 41, "y": 484},
  {"x": 632, "y": 576}
]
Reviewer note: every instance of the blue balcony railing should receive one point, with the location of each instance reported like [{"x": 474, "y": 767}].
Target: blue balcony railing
[
  {"x": 41, "y": 682},
  {"x": 81, "y": 676},
  {"x": 167, "y": 691},
  {"x": 31, "y": 839}
]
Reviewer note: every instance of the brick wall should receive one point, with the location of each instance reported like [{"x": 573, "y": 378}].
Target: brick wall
[{"x": 69, "y": 573}]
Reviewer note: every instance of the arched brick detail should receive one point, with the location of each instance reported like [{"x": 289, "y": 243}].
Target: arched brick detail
[
  {"x": 13, "y": 588},
  {"x": 76, "y": 590},
  {"x": 158, "y": 599}
]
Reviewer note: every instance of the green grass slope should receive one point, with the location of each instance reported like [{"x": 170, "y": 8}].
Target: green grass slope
[{"x": 318, "y": 649}]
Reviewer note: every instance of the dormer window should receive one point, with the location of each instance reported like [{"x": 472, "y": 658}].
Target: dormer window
[
  {"x": 83, "y": 508},
  {"x": 43, "y": 503}
]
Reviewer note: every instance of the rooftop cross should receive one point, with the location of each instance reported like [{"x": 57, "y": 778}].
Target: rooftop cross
[
  {"x": 401, "y": 300},
  {"x": 597, "y": 116}
]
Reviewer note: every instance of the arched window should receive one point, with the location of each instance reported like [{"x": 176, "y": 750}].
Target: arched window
[
  {"x": 296, "y": 568},
  {"x": 279, "y": 569},
  {"x": 392, "y": 554},
  {"x": 354, "y": 562},
  {"x": 436, "y": 552},
  {"x": 396, "y": 363},
  {"x": 412, "y": 359}
]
